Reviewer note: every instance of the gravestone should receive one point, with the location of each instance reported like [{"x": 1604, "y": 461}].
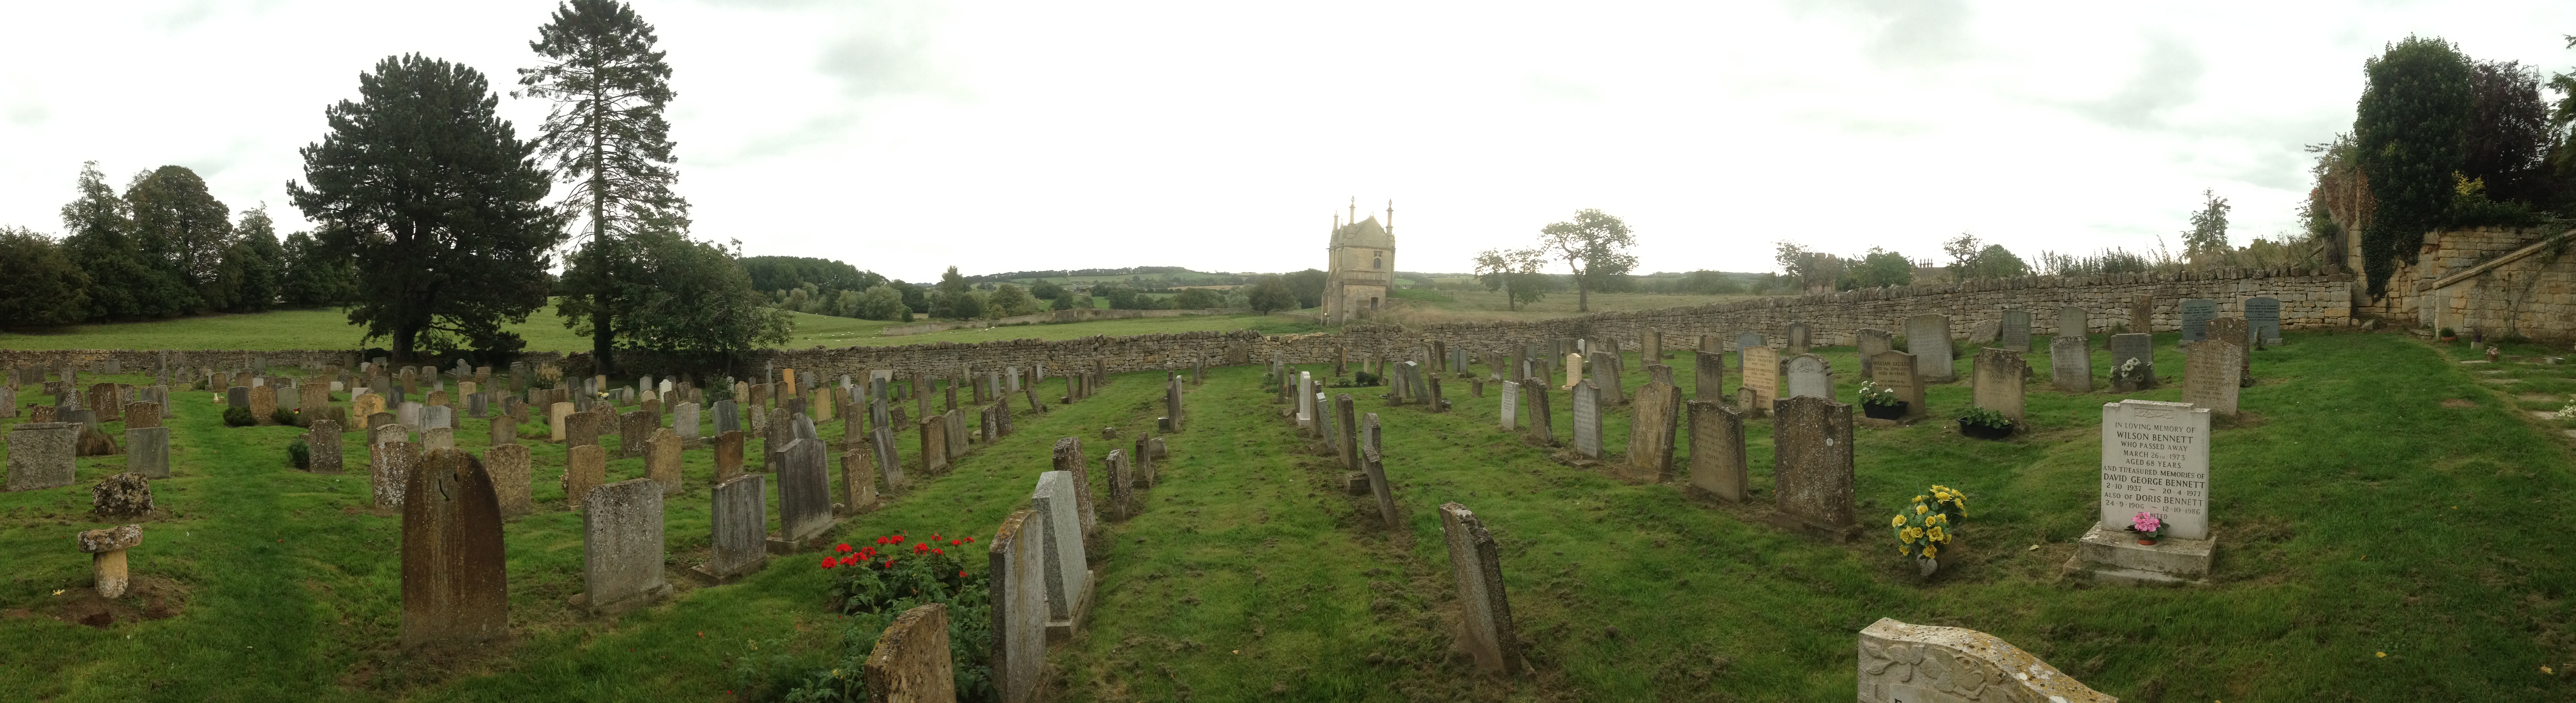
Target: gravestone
[
  {"x": 1587, "y": 420},
  {"x": 103, "y": 400},
  {"x": 512, "y": 480},
  {"x": 1535, "y": 416},
  {"x": 956, "y": 434},
  {"x": 437, "y": 417},
  {"x": 634, "y": 428},
  {"x": 41, "y": 455},
  {"x": 858, "y": 481},
  {"x": 2015, "y": 334},
  {"x": 1808, "y": 376},
  {"x": 728, "y": 455},
  {"x": 1796, "y": 332},
  {"x": 2073, "y": 321},
  {"x": 1870, "y": 341},
  {"x": 1651, "y": 431},
  {"x": 2209, "y": 374},
  {"x": 1122, "y": 485},
  {"x": 1068, "y": 574},
  {"x": 622, "y": 547},
  {"x": 406, "y": 414},
  {"x": 1761, "y": 379},
  {"x": 455, "y": 587},
  {"x": 2235, "y": 332},
  {"x": 1996, "y": 383},
  {"x": 2196, "y": 313},
  {"x": 1983, "y": 333},
  {"x": 2133, "y": 362},
  {"x": 142, "y": 413},
  {"x": 2142, "y": 314},
  {"x": 436, "y": 438},
  {"x": 1373, "y": 465},
  {"x": 1016, "y": 566},
  {"x": 2155, "y": 459},
  {"x": 662, "y": 460},
  {"x": 585, "y": 467},
  {"x": 804, "y": 495},
  {"x": 1743, "y": 341},
  {"x": 147, "y": 451},
  {"x": 739, "y": 529},
  {"x": 1660, "y": 373},
  {"x": 1511, "y": 405},
  {"x": 504, "y": 429},
  {"x": 1901, "y": 663},
  {"x": 911, "y": 660},
  {"x": 391, "y": 465},
  {"x": 1927, "y": 337},
  {"x": 1811, "y": 466},
  {"x": 237, "y": 397},
  {"x": 890, "y": 461},
  {"x": 1485, "y": 629},
  {"x": 729, "y": 416},
  {"x": 582, "y": 429},
  {"x": 1069, "y": 458},
  {"x": 2070, "y": 364},
  {"x": 2263, "y": 315},
  {"x": 323, "y": 445},
  {"x": 1717, "y": 463},
  {"x": 1708, "y": 380}
]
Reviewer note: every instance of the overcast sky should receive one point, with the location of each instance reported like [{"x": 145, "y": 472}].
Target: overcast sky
[{"x": 904, "y": 137}]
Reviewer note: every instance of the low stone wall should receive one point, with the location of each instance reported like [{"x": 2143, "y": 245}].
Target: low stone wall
[
  {"x": 2308, "y": 301},
  {"x": 2532, "y": 296},
  {"x": 134, "y": 361},
  {"x": 1052, "y": 317}
]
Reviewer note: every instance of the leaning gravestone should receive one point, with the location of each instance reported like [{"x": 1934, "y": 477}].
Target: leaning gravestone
[
  {"x": 1717, "y": 462},
  {"x": 147, "y": 451},
  {"x": 2016, "y": 330},
  {"x": 1587, "y": 420},
  {"x": 622, "y": 548},
  {"x": 2209, "y": 374},
  {"x": 392, "y": 465},
  {"x": 1808, "y": 376},
  {"x": 1901, "y": 663},
  {"x": 1068, "y": 575},
  {"x": 1927, "y": 337},
  {"x": 323, "y": 445},
  {"x": 1870, "y": 342},
  {"x": 2196, "y": 313},
  {"x": 1534, "y": 395},
  {"x": 1373, "y": 465},
  {"x": 1016, "y": 558},
  {"x": 455, "y": 587},
  {"x": 41, "y": 455},
  {"x": 2263, "y": 314},
  {"x": 1996, "y": 383},
  {"x": 1650, "y": 432},
  {"x": 1761, "y": 379},
  {"x": 2070, "y": 364},
  {"x": 1811, "y": 466},
  {"x": 2133, "y": 362},
  {"x": 740, "y": 526},
  {"x": 1485, "y": 628},
  {"x": 511, "y": 482}
]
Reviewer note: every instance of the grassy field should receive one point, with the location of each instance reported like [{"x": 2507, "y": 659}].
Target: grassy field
[
  {"x": 330, "y": 329},
  {"x": 1425, "y": 306},
  {"x": 2383, "y": 514}
]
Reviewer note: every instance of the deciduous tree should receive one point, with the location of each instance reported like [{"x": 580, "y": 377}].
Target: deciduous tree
[
  {"x": 2410, "y": 128},
  {"x": 1594, "y": 246}
]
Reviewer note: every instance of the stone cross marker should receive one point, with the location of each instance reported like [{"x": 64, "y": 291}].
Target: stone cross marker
[
  {"x": 512, "y": 484},
  {"x": 622, "y": 546},
  {"x": 1651, "y": 431},
  {"x": 2264, "y": 315},
  {"x": 2209, "y": 375},
  {"x": 1908, "y": 386},
  {"x": 1016, "y": 558},
  {"x": 1717, "y": 462},
  {"x": 2015, "y": 334},
  {"x": 2133, "y": 362},
  {"x": 1761, "y": 384},
  {"x": 454, "y": 584},
  {"x": 1587, "y": 420},
  {"x": 1927, "y": 337},
  {"x": 41, "y": 455},
  {"x": 1708, "y": 376},
  {"x": 1796, "y": 333},
  {"x": 1997, "y": 382},
  {"x": 1811, "y": 465},
  {"x": 1068, "y": 574},
  {"x": 2196, "y": 313},
  {"x": 1870, "y": 342},
  {"x": 740, "y": 525},
  {"x": 1485, "y": 628},
  {"x": 1808, "y": 375},
  {"x": 2070, "y": 364},
  {"x": 2073, "y": 321},
  {"x": 2155, "y": 459}
]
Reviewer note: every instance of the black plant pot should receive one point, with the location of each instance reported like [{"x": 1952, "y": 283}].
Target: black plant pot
[
  {"x": 1984, "y": 432},
  {"x": 1895, "y": 411}
]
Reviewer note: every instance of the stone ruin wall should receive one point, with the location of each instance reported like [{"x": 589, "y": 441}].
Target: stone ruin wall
[
  {"x": 2308, "y": 301},
  {"x": 2534, "y": 296},
  {"x": 142, "y": 361}
]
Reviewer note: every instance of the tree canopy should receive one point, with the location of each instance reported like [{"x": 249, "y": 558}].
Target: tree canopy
[
  {"x": 608, "y": 141},
  {"x": 1595, "y": 247},
  {"x": 2410, "y": 131}
]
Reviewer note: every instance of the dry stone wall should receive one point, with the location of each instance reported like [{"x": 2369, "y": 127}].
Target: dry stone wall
[{"x": 2531, "y": 296}]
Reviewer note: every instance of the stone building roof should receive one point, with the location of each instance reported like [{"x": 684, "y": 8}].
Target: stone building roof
[{"x": 1365, "y": 233}]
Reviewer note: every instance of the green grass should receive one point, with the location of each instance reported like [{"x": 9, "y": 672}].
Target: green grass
[
  {"x": 2356, "y": 514},
  {"x": 330, "y": 329}
]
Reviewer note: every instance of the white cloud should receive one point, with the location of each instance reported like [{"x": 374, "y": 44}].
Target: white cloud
[{"x": 905, "y": 136}]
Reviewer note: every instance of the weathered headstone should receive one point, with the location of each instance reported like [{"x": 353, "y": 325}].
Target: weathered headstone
[
  {"x": 634, "y": 429},
  {"x": 1511, "y": 405},
  {"x": 911, "y": 660},
  {"x": 1796, "y": 333},
  {"x": 585, "y": 467},
  {"x": 2073, "y": 321},
  {"x": 1901, "y": 663},
  {"x": 1373, "y": 464},
  {"x": 323, "y": 447},
  {"x": 1587, "y": 420},
  {"x": 2142, "y": 314},
  {"x": 804, "y": 495},
  {"x": 454, "y": 584},
  {"x": 889, "y": 460},
  {"x": 1717, "y": 463},
  {"x": 1535, "y": 414},
  {"x": 858, "y": 480},
  {"x": 510, "y": 466},
  {"x": 1016, "y": 558},
  {"x": 41, "y": 455},
  {"x": 2263, "y": 315},
  {"x": 739, "y": 529},
  {"x": 1908, "y": 385},
  {"x": 406, "y": 414},
  {"x": 141, "y": 414},
  {"x": 622, "y": 547},
  {"x": 1708, "y": 380},
  {"x": 1996, "y": 383},
  {"x": 2195, "y": 314},
  {"x": 1485, "y": 628},
  {"x": 1807, "y": 375},
  {"x": 2070, "y": 364},
  {"x": 147, "y": 451},
  {"x": 2209, "y": 374},
  {"x": 1811, "y": 466},
  {"x": 662, "y": 460},
  {"x": 390, "y": 467},
  {"x": 1122, "y": 485},
  {"x": 1870, "y": 341},
  {"x": 2133, "y": 362},
  {"x": 1651, "y": 431},
  {"x": 1743, "y": 341},
  {"x": 1068, "y": 574},
  {"x": 1761, "y": 379},
  {"x": 2015, "y": 334},
  {"x": 1927, "y": 337}
]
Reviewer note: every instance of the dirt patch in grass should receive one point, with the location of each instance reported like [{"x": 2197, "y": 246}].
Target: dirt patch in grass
[
  {"x": 146, "y": 598},
  {"x": 2458, "y": 403}
]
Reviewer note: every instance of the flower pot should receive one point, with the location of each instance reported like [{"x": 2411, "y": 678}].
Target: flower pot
[
  {"x": 1984, "y": 432},
  {"x": 2147, "y": 540},
  {"x": 1927, "y": 565},
  {"x": 1895, "y": 411}
]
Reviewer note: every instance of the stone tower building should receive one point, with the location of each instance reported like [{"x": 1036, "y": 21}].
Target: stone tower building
[{"x": 1362, "y": 268}]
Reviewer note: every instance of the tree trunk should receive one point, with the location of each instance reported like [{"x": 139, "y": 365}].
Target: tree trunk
[
  {"x": 1582, "y": 291},
  {"x": 603, "y": 336}
]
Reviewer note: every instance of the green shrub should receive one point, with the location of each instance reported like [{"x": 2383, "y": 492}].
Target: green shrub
[
  {"x": 300, "y": 455},
  {"x": 282, "y": 416},
  {"x": 873, "y": 585},
  {"x": 1985, "y": 417},
  {"x": 239, "y": 417}
]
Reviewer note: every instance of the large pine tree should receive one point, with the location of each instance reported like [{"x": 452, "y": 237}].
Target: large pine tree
[{"x": 607, "y": 139}]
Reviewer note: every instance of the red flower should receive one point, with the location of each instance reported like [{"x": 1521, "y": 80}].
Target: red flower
[
  {"x": 889, "y": 563},
  {"x": 881, "y": 540},
  {"x": 935, "y": 551},
  {"x": 845, "y": 548},
  {"x": 961, "y": 574},
  {"x": 829, "y": 562},
  {"x": 970, "y": 540},
  {"x": 955, "y": 542},
  {"x": 934, "y": 536},
  {"x": 848, "y": 560},
  {"x": 919, "y": 547}
]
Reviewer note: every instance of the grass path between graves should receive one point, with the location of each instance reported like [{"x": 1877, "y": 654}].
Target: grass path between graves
[{"x": 2358, "y": 515}]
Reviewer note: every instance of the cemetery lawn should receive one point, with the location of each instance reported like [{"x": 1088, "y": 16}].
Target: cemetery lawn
[
  {"x": 329, "y": 328},
  {"x": 2375, "y": 544}
]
